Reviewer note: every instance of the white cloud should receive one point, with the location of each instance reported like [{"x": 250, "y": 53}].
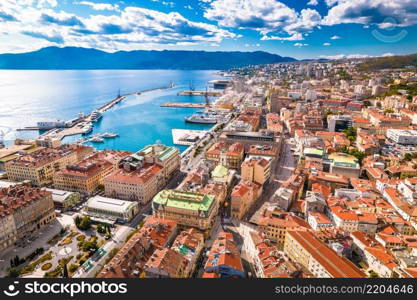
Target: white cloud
[
  {"x": 313, "y": 2},
  {"x": 294, "y": 37},
  {"x": 132, "y": 28},
  {"x": 252, "y": 45},
  {"x": 45, "y": 3},
  {"x": 166, "y": 3},
  {"x": 388, "y": 54},
  {"x": 383, "y": 13},
  {"x": 99, "y": 6},
  {"x": 353, "y": 56},
  {"x": 264, "y": 16},
  {"x": 300, "y": 45},
  {"x": 326, "y": 44},
  {"x": 335, "y": 37}
]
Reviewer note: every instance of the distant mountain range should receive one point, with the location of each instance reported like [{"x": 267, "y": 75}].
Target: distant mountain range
[
  {"x": 83, "y": 58},
  {"x": 390, "y": 62}
]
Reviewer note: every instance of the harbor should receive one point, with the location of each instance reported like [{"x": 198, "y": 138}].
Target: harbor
[
  {"x": 187, "y": 137},
  {"x": 83, "y": 124}
]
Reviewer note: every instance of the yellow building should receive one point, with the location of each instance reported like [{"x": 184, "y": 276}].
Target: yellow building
[
  {"x": 141, "y": 175},
  {"x": 228, "y": 156},
  {"x": 87, "y": 175},
  {"x": 275, "y": 224},
  {"x": 139, "y": 185},
  {"x": 256, "y": 169},
  {"x": 186, "y": 208},
  {"x": 304, "y": 248},
  {"x": 243, "y": 196},
  {"x": 40, "y": 166}
]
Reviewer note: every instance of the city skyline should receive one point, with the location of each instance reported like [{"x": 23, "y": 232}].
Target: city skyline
[{"x": 300, "y": 29}]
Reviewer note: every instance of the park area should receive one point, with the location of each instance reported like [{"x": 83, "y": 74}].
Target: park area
[{"x": 64, "y": 253}]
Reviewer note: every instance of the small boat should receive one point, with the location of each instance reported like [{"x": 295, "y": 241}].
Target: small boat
[
  {"x": 107, "y": 135},
  {"x": 95, "y": 116},
  {"x": 87, "y": 128},
  {"x": 96, "y": 140}
]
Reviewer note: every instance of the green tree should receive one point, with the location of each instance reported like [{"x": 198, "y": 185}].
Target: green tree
[
  {"x": 354, "y": 152},
  {"x": 83, "y": 223},
  {"x": 13, "y": 273},
  {"x": 65, "y": 271},
  {"x": 100, "y": 228},
  {"x": 410, "y": 156},
  {"x": 351, "y": 134},
  {"x": 72, "y": 268},
  {"x": 90, "y": 246}
]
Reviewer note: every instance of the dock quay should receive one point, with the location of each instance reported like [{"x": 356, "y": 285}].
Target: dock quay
[
  {"x": 187, "y": 137},
  {"x": 119, "y": 98},
  {"x": 84, "y": 125},
  {"x": 200, "y": 93},
  {"x": 184, "y": 105}
]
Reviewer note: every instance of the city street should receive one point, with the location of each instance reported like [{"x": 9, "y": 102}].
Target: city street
[
  {"x": 283, "y": 170},
  {"x": 116, "y": 241}
]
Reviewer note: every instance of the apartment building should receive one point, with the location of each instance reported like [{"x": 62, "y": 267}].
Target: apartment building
[
  {"x": 224, "y": 259},
  {"x": 130, "y": 260},
  {"x": 400, "y": 203},
  {"x": 140, "y": 176},
  {"x": 189, "y": 243},
  {"x": 40, "y": 166},
  {"x": 139, "y": 185},
  {"x": 166, "y": 157},
  {"x": 243, "y": 196},
  {"x": 23, "y": 211},
  {"x": 88, "y": 174},
  {"x": 229, "y": 156},
  {"x": 270, "y": 262},
  {"x": 314, "y": 255},
  {"x": 166, "y": 263},
  {"x": 274, "y": 123},
  {"x": 375, "y": 255},
  {"x": 275, "y": 224},
  {"x": 256, "y": 169},
  {"x": 403, "y": 137}
]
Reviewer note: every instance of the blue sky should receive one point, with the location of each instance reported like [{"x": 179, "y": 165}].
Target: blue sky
[{"x": 296, "y": 28}]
